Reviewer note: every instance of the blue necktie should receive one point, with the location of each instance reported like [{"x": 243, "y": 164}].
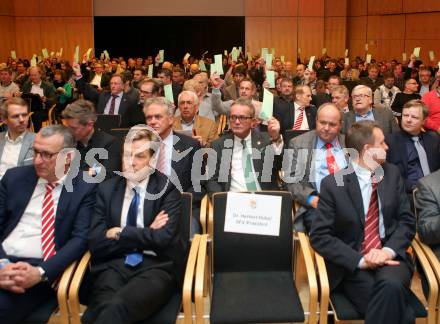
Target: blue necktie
[{"x": 134, "y": 258}]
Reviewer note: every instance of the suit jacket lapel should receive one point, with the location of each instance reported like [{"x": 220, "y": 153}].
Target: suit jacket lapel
[
  {"x": 258, "y": 144},
  {"x": 355, "y": 194},
  {"x": 149, "y": 204},
  {"x": 123, "y": 105},
  {"x": 117, "y": 202},
  {"x": 27, "y": 142},
  {"x": 2, "y": 143}
]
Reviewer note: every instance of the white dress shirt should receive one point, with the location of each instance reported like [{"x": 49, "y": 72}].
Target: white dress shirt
[
  {"x": 168, "y": 144},
  {"x": 238, "y": 182},
  {"x": 305, "y": 123},
  {"x": 128, "y": 197},
  {"x": 37, "y": 89},
  {"x": 11, "y": 152},
  {"x": 25, "y": 239},
  {"x": 117, "y": 104}
]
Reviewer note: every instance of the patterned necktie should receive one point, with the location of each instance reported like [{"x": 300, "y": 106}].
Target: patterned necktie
[
  {"x": 332, "y": 166},
  {"x": 371, "y": 229},
  {"x": 422, "y": 155},
  {"x": 112, "y": 105},
  {"x": 48, "y": 223},
  {"x": 299, "y": 119},
  {"x": 161, "y": 160},
  {"x": 247, "y": 168}
]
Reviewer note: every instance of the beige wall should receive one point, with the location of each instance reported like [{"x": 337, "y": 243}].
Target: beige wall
[
  {"x": 168, "y": 8},
  {"x": 30, "y": 25}
]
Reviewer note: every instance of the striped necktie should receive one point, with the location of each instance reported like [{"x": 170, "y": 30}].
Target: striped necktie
[{"x": 48, "y": 223}]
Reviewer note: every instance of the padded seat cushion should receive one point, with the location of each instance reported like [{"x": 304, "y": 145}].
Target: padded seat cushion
[{"x": 257, "y": 297}]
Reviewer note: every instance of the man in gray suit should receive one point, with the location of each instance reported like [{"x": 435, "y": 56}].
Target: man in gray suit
[
  {"x": 15, "y": 143},
  {"x": 362, "y": 97},
  {"x": 311, "y": 157},
  {"x": 428, "y": 207}
]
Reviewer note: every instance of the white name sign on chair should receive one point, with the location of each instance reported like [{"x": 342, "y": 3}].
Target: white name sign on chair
[{"x": 249, "y": 213}]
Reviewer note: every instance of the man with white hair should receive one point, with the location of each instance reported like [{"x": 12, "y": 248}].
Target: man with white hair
[{"x": 201, "y": 128}]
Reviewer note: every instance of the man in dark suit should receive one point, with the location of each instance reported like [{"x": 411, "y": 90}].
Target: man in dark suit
[
  {"x": 312, "y": 156},
  {"x": 298, "y": 116},
  {"x": 80, "y": 118},
  {"x": 113, "y": 102},
  {"x": 373, "y": 81},
  {"x": 362, "y": 110},
  {"x": 363, "y": 228},
  {"x": 428, "y": 209},
  {"x": 45, "y": 217},
  {"x": 246, "y": 170},
  {"x": 40, "y": 89},
  {"x": 175, "y": 157},
  {"x": 415, "y": 152},
  {"x": 136, "y": 249}
]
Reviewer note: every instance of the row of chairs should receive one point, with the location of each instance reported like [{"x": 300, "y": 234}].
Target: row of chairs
[{"x": 249, "y": 278}]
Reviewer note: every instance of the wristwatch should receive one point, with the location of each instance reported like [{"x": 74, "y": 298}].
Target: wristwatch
[
  {"x": 4, "y": 262},
  {"x": 43, "y": 275}
]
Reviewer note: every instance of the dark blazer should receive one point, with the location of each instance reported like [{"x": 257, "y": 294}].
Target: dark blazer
[
  {"x": 48, "y": 91},
  {"x": 108, "y": 142},
  {"x": 321, "y": 98},
  {"x": 370, "y": 83},
  {"x": 224, "y": 145},
  {"x": 383, "y": 117},
  {"x": 165, "y": 242},
  {"x": 26, "y": 151},
  {"x": 338, "y": 228},
  {"x": 284, "y": 111},
  {"x": 127, "y": 107},
  {"x": 398, "y": 154},
  {"x": 182, "y": 163},
  {"x": 72, "y": 218}
]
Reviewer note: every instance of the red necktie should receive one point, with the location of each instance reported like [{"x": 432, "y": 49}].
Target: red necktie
[
  {"x": 299, "y": 120},
  {"x": 332, "y": 166},
  {"x": 48, "y": 223},
  {"x": 112, "y": 105},
  {"x": 161, "y": 160},
  {"x": 371, "y": 230}
]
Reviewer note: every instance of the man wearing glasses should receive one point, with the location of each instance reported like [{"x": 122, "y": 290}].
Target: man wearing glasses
[
  {"x": 45, "y": 214},
  {"x": 249, "y": 167},
  {"x": 362, "y": 97}
]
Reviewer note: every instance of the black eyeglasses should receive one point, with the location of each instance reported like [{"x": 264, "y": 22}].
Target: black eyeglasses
[
  {"x": 45, "y": 156},
  {"x": 233, "y": 118}
]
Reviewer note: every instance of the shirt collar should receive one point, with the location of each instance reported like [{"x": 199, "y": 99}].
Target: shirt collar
[
  {"x": 140, "y": 185},
  {"x": 59, "y": 182},
  {"x": 247, "y": 138},
  {"x": 17, "y": 140},
  {"x": 366, "y": 115},
  {"x": 38, "y": 84},
  {"x": 321, "y": 144}
]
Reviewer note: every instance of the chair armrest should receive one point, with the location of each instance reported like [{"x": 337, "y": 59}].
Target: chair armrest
[
  {"x": 200, "y": 278},
  {"x": 324, "y": 288},
  {"x": 203, "y": 212},
  {"x": 210, "y": 229},
  {"x": 189, "y": 279},
  {"x": 311, "y": 276},
  {"x": 74, "y": 288},
  {"x": 62, "y": 290},
  {"x": 431, "y": 267}
]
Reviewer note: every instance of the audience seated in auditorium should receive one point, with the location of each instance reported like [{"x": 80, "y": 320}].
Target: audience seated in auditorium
[
  {"x": 306, "y": 170},
  {"x": 34, "y": 253},
  {"x": 363, "y": 228},
  {"x": 362, "y": 110},
  {"x": 243, "y": 170},
  {"x": 415, "y": 152},
  {"x": 100, "y": 152},
  {"x": 200, "y": 128}
]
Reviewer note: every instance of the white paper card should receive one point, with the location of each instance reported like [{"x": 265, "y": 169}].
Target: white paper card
[
  {"x": 45, "y": 53},
  {"x": 34, "y": 60},
  {"x": 368, "y": 58},
  {"x": 13, "y": 55},
  {"x": 266, "y": 111},
  {"x": 416, "y": 51},
  {"x": 310, "y": 66},
  {"x": 264, "y": 52},
  {"x": 431, "y": 55},
  {"x": 270, "y": 76},
  {"x": 346, "y": 52},
  {"x": 150, "y": 71},
  {"x": 366, "y": 47},
  {"x": 347, "y": 61},
  {"x": 168, "y": 90},
  {"x": 268, "y": 60},
  {"x": 299, "y": 50},
  {"x": 324, "y": 50},
  {"x": 61, "y": 51},
  {"x": 272, "y": 51},
  {"x": 253, "y": 214},
  {"x": 234, "y": 54},
  {"x": 213, "y": 68},
  {"x": 202, "y": 66},
  {"x": 282, "y": 58},
  {"x": 161, "y": 55},
  {"x": 218, "y": 59},
  {"x": 240, "y": 49},
  {"x": 404, "y": 56},
  {"x": 76, "y": 55},
  {"x": 187, "y": 55}
]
